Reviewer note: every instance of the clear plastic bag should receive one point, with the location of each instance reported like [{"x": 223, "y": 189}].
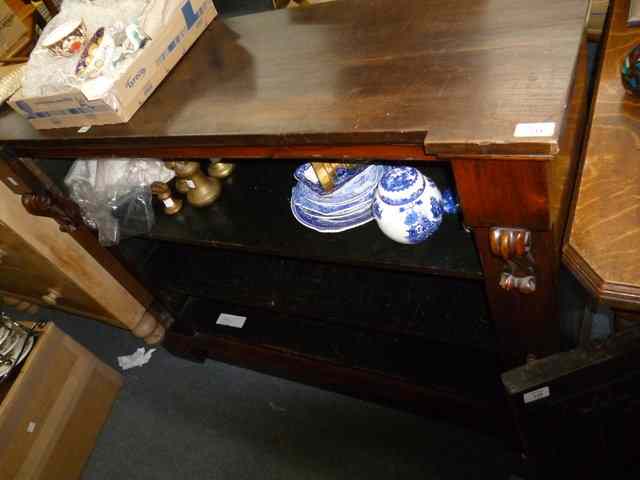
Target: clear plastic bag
[
  {"x": 45, "y": 74},
  {"x": 115, "y": 195}
]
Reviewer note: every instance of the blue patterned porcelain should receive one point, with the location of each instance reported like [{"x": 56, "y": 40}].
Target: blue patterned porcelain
[
  {"x": 409, "y": 207},
  {"x": 306, "y": 175},
  {"x": 330, "y": 225},
  {"x": 302, "y": 197},
  {"x": 348, "y": 206}
]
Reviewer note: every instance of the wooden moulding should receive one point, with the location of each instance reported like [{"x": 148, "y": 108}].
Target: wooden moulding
[{"x": 167, "y": 149}]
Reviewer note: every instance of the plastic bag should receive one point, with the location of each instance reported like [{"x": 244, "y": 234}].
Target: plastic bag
[{"x": 115, "y": 196}]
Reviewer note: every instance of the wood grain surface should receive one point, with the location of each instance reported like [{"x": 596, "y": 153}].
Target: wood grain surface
[
  {"x": 71, "y": 260},
  {"x": 357, "y": 72},
  {"x": 603, "y": 242},
  {"x": 51, "y": 416}
]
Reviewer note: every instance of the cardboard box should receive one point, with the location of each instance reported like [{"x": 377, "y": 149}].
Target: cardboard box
[
  {"x": 11, "y": 28},
  {"x": 53, "y": 411},
  {"x": 160, "y": 55}
]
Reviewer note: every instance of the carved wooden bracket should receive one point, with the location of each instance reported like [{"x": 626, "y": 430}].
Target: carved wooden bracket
[
  {"x": 513, "y": 245},
  {"x": 43, "y": 205}
]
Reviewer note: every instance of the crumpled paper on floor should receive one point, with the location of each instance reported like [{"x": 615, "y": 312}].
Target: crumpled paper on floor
[{"x": 137, "y": 359}]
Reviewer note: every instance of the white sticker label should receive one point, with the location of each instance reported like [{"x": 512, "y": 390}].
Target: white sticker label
[
  {"x": 190, "y": 183},
  {"x": 84, "y": 129},
  {"x": 231, "y": 320},
  {"x": 536, "y": 395},
  {"x": 542, "y": 129},
  {"x": 13, "y": 181},
  {"x": 168, "y": 202},
  {"x": 31, "y": 427}
]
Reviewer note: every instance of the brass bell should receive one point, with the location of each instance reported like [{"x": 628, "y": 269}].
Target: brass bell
[
  {"x": 202, "y": 191},
  {"x": 218, "y": 169}
]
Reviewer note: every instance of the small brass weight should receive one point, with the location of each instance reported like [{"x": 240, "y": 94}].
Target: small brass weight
[
  {"x": 201, "y": 190},
  {"x": 218, "y": 169},
  {"x": 161, "y": 190}
]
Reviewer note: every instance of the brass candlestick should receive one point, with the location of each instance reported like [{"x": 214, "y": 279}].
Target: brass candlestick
[
  {"x": 202, "y": 190},
  {"x": 163, "y": 192},
  {"x": 219, "y": 169}
]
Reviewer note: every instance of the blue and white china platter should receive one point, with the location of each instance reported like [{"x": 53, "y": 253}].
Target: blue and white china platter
[
  {"x": 361, "y": 202},
  {"x": 326, "y": 225},
  {"x": 348, "y": 206}
]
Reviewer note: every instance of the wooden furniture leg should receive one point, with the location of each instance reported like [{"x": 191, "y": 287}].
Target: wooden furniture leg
[
  {"x": 525, "y": 321},
  {"x": 79, "y": 258},
  {"x": 508, "y": 210}
]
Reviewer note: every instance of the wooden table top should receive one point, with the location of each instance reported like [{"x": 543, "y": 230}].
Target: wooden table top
[
  {"x": 603, "y": 244},
  {"x": 460, "y": 73}
]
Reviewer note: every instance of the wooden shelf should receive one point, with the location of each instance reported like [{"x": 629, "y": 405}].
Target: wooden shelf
[
  {"x": 396, "y": 303},
  {"x": 431, "y": 377},
  {"x": 254, "y": 215}
]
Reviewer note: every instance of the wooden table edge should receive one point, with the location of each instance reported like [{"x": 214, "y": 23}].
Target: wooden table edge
[{"x": 615, "y": 294}]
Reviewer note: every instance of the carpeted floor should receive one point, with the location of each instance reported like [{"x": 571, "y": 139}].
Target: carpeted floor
[{"x": 175, "y": 419}]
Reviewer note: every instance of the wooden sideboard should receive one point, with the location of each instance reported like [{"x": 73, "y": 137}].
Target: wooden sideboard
[{"x": 428, "y": 327}]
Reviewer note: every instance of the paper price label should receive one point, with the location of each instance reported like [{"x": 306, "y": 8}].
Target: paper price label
[
  {"x": 535, "y": 395},
  {"x": 230, "y": 320},
  {"x": 542, "y": 129}
]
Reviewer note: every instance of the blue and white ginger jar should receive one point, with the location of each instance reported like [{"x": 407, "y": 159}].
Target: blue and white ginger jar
[{"x": 409, "y": 207}]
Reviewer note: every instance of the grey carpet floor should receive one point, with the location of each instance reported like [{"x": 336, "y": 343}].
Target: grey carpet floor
[{"x": 175, "y": 419}]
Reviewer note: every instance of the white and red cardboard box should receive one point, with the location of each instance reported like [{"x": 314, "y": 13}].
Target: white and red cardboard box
[{"x": 135, "y": 85}]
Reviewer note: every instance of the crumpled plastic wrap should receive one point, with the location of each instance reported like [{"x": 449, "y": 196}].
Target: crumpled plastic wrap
[
  {"x": 115, "y": 195},
  {"x": 47, "y": 75}
]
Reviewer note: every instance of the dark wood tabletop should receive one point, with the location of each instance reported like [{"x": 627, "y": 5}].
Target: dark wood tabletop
[
  {"x": 456, "y": 75},
  {"x": 603, "y": 245}
]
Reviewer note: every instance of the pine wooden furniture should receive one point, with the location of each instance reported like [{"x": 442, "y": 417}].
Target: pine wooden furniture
[
  {"x": 39, "y": 265},
  {"x": 53, "y": 409},
  {"x": 424, "y": 327}
]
